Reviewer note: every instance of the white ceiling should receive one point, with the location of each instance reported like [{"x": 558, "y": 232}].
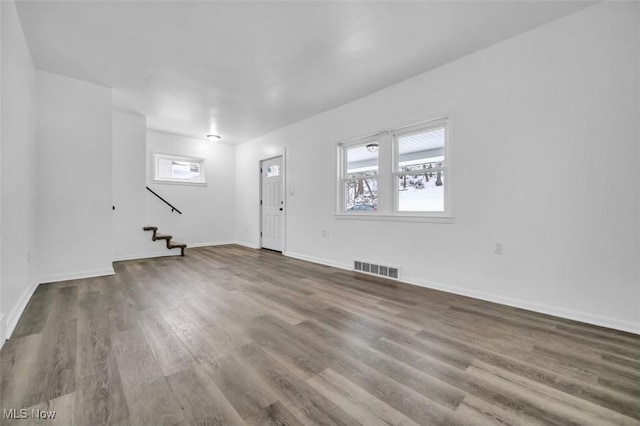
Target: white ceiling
[{"x": 242, "y": 69}]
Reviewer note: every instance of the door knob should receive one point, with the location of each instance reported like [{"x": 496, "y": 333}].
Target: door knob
[{"x": 280, "y": 208}]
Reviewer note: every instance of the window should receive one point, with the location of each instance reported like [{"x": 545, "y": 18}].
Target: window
[
  {"x": 273, "y": 171},
  {"x": 178, "y": 169},
  {"x": 399, "y": 173},
  {"x": 360, "y": 176},
  {"x": 420, "y": 170}
]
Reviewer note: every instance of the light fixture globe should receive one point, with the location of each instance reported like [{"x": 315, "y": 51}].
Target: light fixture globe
[
  {"x": 372, "y": 147},
  {"x": 214, "y": 137}
]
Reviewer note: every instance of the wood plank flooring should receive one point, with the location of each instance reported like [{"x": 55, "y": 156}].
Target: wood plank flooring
[{"x": 233, "y": 336}]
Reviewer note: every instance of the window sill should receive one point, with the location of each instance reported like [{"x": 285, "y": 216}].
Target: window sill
[
  {"x": 177, "y": 182},
  {"x": 394, "y": 217}
]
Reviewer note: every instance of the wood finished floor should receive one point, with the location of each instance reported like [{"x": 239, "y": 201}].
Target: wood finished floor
[{"x": 229, "y": 335}]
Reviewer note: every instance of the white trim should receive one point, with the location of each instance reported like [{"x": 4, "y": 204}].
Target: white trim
[
  {"x": 283, "y": 190},
  {"x": 285, "y": 194},
  {"x": 15, "y": 314},
  {"x": 387, "y": 173},
  {"x": 343, "y": 147},
  {"x": 585, "y": 317},
  {"x": 156, "y": 156},
  {"x": 362, "y": 141},
  {"x": 217, "y": 243},
  {"x": 423, "y": 126},
  {"x": 75, "y": 275},
  {"x": 542, "y": 308},
  {"x": 394, "y": 217},
  {"x": 164, "y": 253},
  {"x": 3, "y": 334},
  {"x": 177, "y": 156},
  {"x": 319, "y": 261},
  {"x": 8, "y": 322},
  {"x": 177, "y": 182},
  {"x": 247, "y": 245},
  {"x": 427, "y": 126},
  {"x": 168, "y": 252},
  {"x": 357, "y": 141}
]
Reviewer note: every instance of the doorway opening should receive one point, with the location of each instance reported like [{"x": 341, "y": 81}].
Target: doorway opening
[{"x": 272, "y": 204}]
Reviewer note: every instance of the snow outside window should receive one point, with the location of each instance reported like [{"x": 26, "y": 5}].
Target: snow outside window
[
  {"x": 360, "y": 182},
  {"x": 396, "y": 174},
  {"x": 420, "y": 170}
]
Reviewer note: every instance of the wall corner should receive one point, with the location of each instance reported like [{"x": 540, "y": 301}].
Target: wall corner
[{"x": 3, "y": 332}]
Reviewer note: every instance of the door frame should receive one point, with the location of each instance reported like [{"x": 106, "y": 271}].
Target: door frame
[{"x": 283, "y": 155}]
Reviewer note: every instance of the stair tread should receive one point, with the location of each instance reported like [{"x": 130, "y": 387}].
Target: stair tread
[{"x": 167, "y": 238}]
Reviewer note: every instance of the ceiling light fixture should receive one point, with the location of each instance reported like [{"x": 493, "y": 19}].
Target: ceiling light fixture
[
  {"x": 372, "y": 147},
  {"x": 214, "y": 137}
]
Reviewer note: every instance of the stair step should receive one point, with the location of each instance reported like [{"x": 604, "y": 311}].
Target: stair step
[{"x": 167, "y": 238}]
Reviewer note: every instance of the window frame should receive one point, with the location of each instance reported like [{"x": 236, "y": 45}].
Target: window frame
[
  {"x": 157, "y": 156},
  {"x": 388, "y": 159},
  {"x": 343, "y": 147},
  {"x": 424, "y": 127}
]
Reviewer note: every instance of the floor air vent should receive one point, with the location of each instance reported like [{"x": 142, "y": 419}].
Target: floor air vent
[{"x": 375, "y": 269}]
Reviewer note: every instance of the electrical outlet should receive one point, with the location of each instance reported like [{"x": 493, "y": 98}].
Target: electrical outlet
[
  {"x": 291, "y": 191},
  {"x": 324, "y": 233},
  {"x": 498, "y": 248}
]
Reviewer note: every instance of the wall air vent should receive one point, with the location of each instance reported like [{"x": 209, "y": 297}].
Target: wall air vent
[{"x": 375, "y": 269}]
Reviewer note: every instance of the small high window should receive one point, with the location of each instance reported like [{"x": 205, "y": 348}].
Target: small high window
[{"x": 178, "y": 169}]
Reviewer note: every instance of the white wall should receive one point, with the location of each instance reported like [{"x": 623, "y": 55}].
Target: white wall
[
  {"x": 546, "y": 155},
  {"x": 129, "y": 193},
  {"x": 2, "y": 314},
  {"x": 208, "y": 212},
  {"x": 17, "y": 152},
  {"x": 638, "y": 149},
  {"x": 74, "y": 178}
]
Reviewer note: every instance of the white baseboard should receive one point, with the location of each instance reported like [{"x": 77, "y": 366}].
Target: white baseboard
[
  {"x": 163, "y": 253},
  {"x": 542, "y": 308},
  {"x": 15, "y": 314},
  {"x": 8, "y": 322},
  {"x": 318, "y": 260},
  {"x": 557, "y": 311},
  {"x": 218, "y": 243},
  {"x": 249, "y": 245},
  {"x": 75, "y": 275},
  {"x": 3, "y": 333},
  {"x": 12, "y": 318},
  {"x": 166, "y": 252}
]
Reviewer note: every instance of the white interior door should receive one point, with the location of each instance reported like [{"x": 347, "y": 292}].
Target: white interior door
[{"x": 272, "y": 211}]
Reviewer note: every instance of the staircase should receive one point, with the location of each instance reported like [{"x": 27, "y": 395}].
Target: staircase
[{"x": 170, "y": 245}]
